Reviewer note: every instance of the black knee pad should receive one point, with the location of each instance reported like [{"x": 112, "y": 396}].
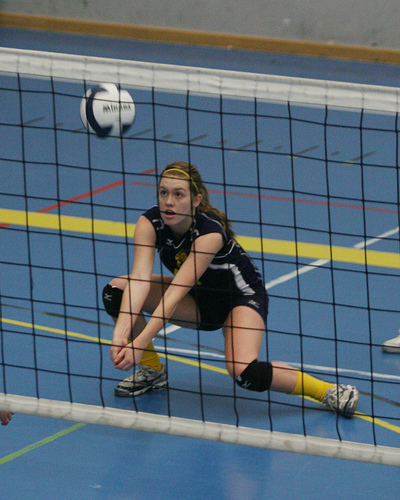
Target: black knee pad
[
  {"x": 257, "y": 376},
  {"x": 112, "y": 298}
]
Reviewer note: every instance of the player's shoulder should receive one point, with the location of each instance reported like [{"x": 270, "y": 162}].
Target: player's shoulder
[
  {"x": 209, "y": 222},
  {"x": 145, "y": 227},
  {"x": 154, "y": 216},
  {"x": 152, "y": 213}
]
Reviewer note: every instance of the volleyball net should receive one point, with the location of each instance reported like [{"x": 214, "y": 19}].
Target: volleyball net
[{"x": 307, "y": 171}]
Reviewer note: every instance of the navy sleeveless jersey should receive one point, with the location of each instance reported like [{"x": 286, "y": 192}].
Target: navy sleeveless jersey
[{"x": 231, "y": 269}]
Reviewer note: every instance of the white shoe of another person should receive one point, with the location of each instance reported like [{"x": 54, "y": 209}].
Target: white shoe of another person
[{"x": 392, "y": 345}]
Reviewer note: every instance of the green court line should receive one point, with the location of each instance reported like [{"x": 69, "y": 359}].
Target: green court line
[
  {"x": 40, "y": 443},
  {"x": 313, "y": 251}
]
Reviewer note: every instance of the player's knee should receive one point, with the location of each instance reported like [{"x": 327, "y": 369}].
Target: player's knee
[
  {"x": 257, "y": 376},
  {"x": 112, "y": 297}
]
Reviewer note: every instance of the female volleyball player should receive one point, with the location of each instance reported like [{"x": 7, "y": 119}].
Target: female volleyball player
[{"x": 215, "y": 285}]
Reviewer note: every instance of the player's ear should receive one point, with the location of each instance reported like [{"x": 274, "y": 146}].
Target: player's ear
[{"x": 197, "y": 200}]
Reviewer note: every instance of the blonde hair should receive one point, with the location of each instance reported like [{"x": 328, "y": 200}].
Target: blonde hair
[{"x": 197, "y": 186}]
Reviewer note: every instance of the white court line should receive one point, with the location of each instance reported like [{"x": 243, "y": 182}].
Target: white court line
[
  {"x": 375, "y": 376},
  {"x": 288, "y": 277},
  {"x": 191, "y": 352},
  {"x": 371, "y": 241},
  {"x": 309, "y": 267},
  {"x": 169, "y": 329},
  {"x": 322, "y": 262},
  {"x": 315, "y": 368},
  {"x": 292, "y": 275}
]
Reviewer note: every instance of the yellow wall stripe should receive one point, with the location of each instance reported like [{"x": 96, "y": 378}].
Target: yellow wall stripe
[
  {"x": 185, "y": 36},
  {"x": 251, "y": 244}
]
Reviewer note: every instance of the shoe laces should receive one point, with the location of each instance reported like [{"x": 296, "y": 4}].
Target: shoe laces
[{"x": 141, "y": 373}]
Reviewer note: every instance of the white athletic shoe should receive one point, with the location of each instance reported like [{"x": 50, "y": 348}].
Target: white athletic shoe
[
  {"x": 144, "y": 379},
  {"x": 342, "y": 399},
  {"x": 392, "y": 345}
]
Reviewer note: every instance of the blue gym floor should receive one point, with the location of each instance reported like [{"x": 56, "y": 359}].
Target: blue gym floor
[{"x": 44, "y": 458}]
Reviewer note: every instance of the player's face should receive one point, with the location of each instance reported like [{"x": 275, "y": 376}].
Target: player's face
[{"x": 177, "y": 204}]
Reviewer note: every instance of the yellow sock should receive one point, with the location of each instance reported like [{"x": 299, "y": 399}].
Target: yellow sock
[
  {"x": 151, "y": 359},
  {"x": 311, "y": 386}
]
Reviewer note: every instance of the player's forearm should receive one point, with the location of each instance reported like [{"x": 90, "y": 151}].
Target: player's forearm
[
  {"x": 160, "y": 317},
  {"x": 131, "y": 307}
]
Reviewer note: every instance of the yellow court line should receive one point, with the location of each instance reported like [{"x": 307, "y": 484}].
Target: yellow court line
[
  {"x": 251, "y": 244},
  {"x": 317, "y": 251},
  {"x": 178, "y": 359},
  {"x": 367, "y": 418},
  {"x": 65, "y": 223},
  {"x": 378, "y": 421},
  {"x": 108, "y": 342},
  {"x": 49, "y": 439}
]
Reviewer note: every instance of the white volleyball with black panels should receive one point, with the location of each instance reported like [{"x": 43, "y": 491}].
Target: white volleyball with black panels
[{"x": 106, "y": 110}]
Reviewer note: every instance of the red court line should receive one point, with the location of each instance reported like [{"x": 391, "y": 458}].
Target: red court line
[
  {"x": 213, "y": 191},
  {"x": 309, "y": 202},
  {"x": 81, "y": 196},
  {"x": 75, "y": 198},
  {"x": 286, "y": 199}
]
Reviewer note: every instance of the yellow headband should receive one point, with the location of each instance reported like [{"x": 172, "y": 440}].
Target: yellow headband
[{"x": 185, "y": 174}]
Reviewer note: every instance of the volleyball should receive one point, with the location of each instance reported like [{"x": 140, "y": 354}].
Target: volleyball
[{"x": 107, "y": 110}]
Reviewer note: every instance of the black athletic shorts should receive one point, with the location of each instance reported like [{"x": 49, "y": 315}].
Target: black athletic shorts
[{"x": 215, "y": 305}]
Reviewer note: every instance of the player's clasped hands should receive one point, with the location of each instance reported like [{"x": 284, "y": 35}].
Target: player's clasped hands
[{"x": 125, "y": 357}]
